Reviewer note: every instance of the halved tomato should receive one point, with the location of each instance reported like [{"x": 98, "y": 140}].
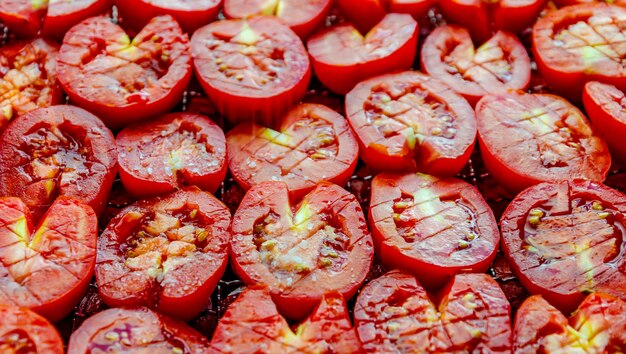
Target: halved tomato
[
  {"x": 527, "y": 139},
  {"x": 190, "y": 14},
  {"x": 24, "y": 331},
  {"x": 342, "y": 56},
  {"x": 252, "y": 324},
  {"x": 135, "y": 331},
  {"x": 314, "y": 144},
  {"x": 170, "y": 152},
  {"x": 64, "y": 14},
  {"x": 47, "y": 270},
  {"x": 166, "y": 253},
  {"x": 365, "y": 14},
  {"x": 598, "y": 326},
  {"x": 410, "y": 121},
  {"x": 23, "y": 17},
  {"x": 498, "y": 65},
  {"x": 563, "y": 3},
  {"x": 564, "y": 240},
  {"x": 431, "y": 227},
  {"x": 606, "y": 107},
  {"x": 60, "y": 150},
  {"x": 120, "y": 80},
  {"x": 252, "y": 69},
  {"x": 301, "y": 252},
  {"x": 394, "y": 314}
]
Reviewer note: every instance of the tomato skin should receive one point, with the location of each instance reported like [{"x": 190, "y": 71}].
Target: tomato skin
[
  {"x": 605, "y": 107},
  {"x": 62, "y": 16},
  {"x": 22, "y": 17},
  {"x": 365, "y": 14},
  {"x": 137, "y": 13},
  {"x": 33, "y": 332}
]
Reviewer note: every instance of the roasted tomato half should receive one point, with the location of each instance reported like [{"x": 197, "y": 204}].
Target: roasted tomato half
[
  {"x": 135, "y": 331},
  {"x": 564, "y": 240},
  {"x": 120, "y": 80},
  {"x": 394, "y": 314},
  {"x": 24, "y": 331},
  {"x": 252, "y": 69},
  {"x": 606, "y": 107},
  {"x": 167, "y": 253},
  {"x": 314, "y": 144},
  {"x": 577, "y": 44},
  {"x": 301, "y": 252},
  {"x": 527, "y": 139},
  {"x": 60, "y": 150},
  {"x": 47, "y": 269},
  {"x": 365, "y": 14},
  {"x": 252, "y": 324},
  {"x": 342, "y": 56},
  {"x": 598, "y": 326},
  {"x": 23, "y": 17},
  {"x": 410, "y": 121},
  {"x": 432, "y": 227},
  {"x": 190, "y": 14},
  {"x": 498, "y": 65},
  {"x": 171, "y": 152},
  {"x": 64, "y": 14}
]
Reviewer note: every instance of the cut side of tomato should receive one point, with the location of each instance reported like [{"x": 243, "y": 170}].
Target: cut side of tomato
[
  {"x": 365, "y": 14},
  {"x": 166, "y": 253},
  {"x": 23, "y": 17},
  {"x": 190, "y": 14},
  {"x": 606, "y": 107},
  {"x": 24, "y": 331},
  {"x": 64, "y": 14}
]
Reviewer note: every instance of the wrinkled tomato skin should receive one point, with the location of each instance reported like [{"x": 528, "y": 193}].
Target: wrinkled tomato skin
[
  {"x": 22, "y": 17},
  {"x": 22, "y": 330},
  {"x": 62, "y": 16},
  {"x": 137, "y": 13},
  {"x": 606, "y": 107}
]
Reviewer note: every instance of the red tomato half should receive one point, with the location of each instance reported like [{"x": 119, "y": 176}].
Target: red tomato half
[
  {"x": 342, "y": 56},
  {"x": 498, "y": 65},
  {"x": 394, "y": 314},
  {"x": 120, "y": 80},
  {"x": 606, "y": 107},
  {"x": 431, "y": 227},
  {"x": 314, "y": 144},
  {"x": 527, "y": 139},
  {"x": 135, "y": 331},
  {"x": 170, "y": 152},
  {"x": 566, "y": 239},
  {"x": 301, "y": 252},
  {"x": 410, "y": 121},
  {"x": 365, "y": 14},
  {"x": 252, "y": 324},
  {"x": 28, "y": 78},
  {"x": 598, "y": 326},
  {"x": 253, "y": 69},
  {"x": 581, "y": 43},
  {"x": 302, "y": 16},
  {"x": 48, "y": 269},
  {"x": 23, "y": 17},
  {"x": 24, "y": 331},
  {"x": 60, "y": 150},
  {"x": 190, "y": 14},
  {"x": 64, "y": 14},
  {"x": 167, "y": 253}
]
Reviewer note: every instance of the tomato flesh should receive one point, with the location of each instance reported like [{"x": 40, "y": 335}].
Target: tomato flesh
[
  {"x": 606, "y": 107},
  {"x": 23, "y": 17},
  {"x": 190, "y": 14},
  {"x": 63, "y": 15},
  {"x": 23, "y": 331}
]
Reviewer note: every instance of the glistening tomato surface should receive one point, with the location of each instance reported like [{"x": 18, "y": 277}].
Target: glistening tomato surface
[
  {"x": 527, "y": 139},
  {"x": 167, "y": 253},
  {"x": 135, "y": 331},
  {"x": 564, "y": 240},
  {"x": 394, "y": 314},
  {"x": 23, "y": 17},
  {"x": 410, "y": 121},
  {"x": 120, "y": 80},
  {"x": 47, "y": 269},
  {"x": 606, "y": 107},
  {"x": 431, "y": 227},
  {"x": 498, "y": 65},
  {"x": 60, "y": 150},
  {"x": 253, "y": 69},
  {"x": 24, "y": 331},
  {"x": 170, "y": 152},
  {"x": 63, "y": 15},
  {"x": 314, "y": 143},
  {"x": 365, "y": 14},
  {"x": 301, "y": 252},
  {"x": 190, "y": 14},
  {"x": 598, "y": 326},
  {"x": 252, "y": 324},
  {"x": 342, "y": 56}
]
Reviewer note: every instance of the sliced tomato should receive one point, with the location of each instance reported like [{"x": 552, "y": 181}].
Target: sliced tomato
[
  {"x": 301, "y": 252},
  {"x": 394, "y": 314},
  {"x": 120, "y": 80},
  {"x": 24, "y": 331},
  {"x": 566, "y": 239},
  {"x": 581, "y": 43},
  {"x": 527, "y": 139},
  {"x": 606, "y": 106},
  {"x": 598, "y": 326},
  {"x": 63, "y": 15},
  {"x": 252, "y": 324},
  {"x": 170, "y": 152},
  {"x": 48, "y": 269},
  {"x": 303, "y": 17},
  {"x": 410, "y": 121},
  {"x": 29, "y": 78},
  {"x": 137, "y": 330},
  {"x": 23, "y": 17},
  {"x": 166, "y": 253},
  {"x": 498, "y": 65},
  {"x": 342, "y": 56},
  {"x": 253, "y": 69},
  {"x": 314, "y": 144},
  {"x": 190, "y": 14},
  {"x": 60, "y": 150},
  {"x": 365, "y": 14},
  {"x": 563, "y": 3},
  {"x": 431, "y": 227}
]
